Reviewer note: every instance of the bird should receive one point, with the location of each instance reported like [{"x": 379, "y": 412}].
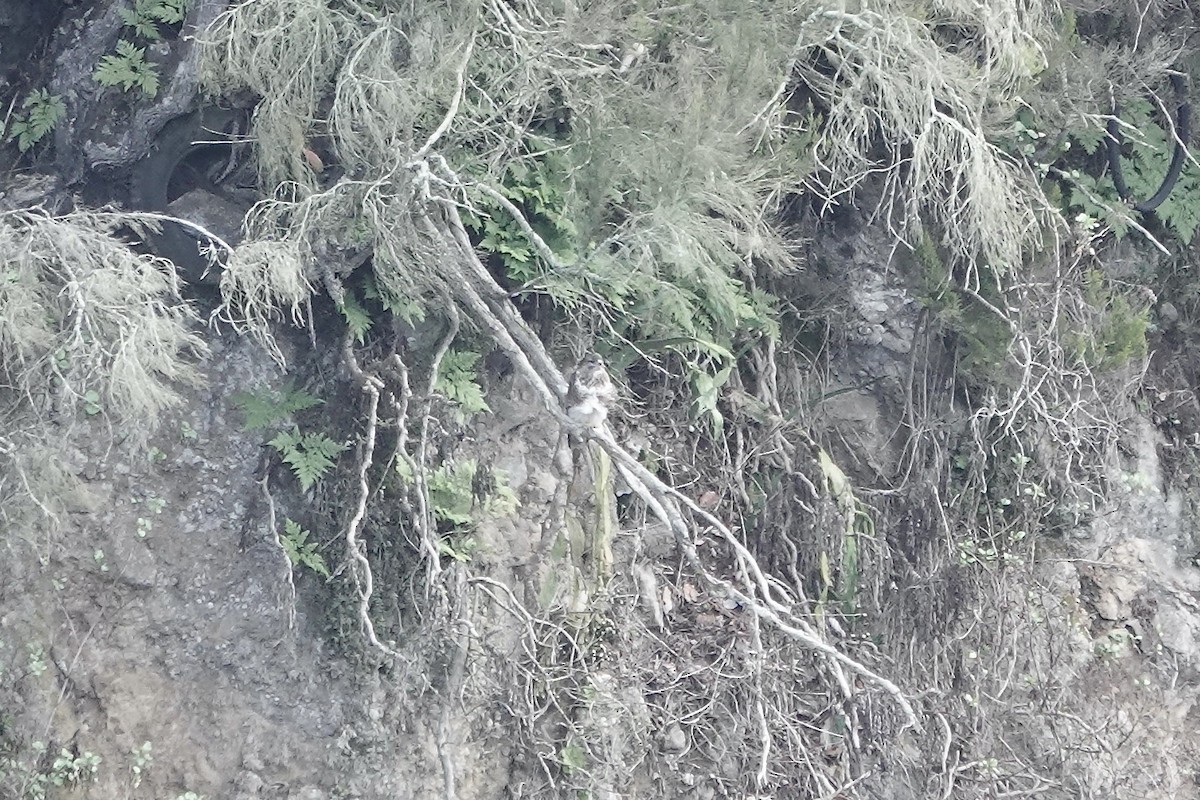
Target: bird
[{"x": 591, "y": 393}]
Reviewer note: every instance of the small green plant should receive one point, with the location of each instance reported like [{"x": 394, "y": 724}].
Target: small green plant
[
  {"x": 706, "y": 390},
  {"x": 310, "y": 455},
  {"x": 146, "y": 15},
  {"x": 265, "y": 409},
  {"x": 460, "y": 494},
  {"x": 1113, "y": 645},
  {"x": 91, "y": 403},
  {"x": 66, "y": 770},
  {"x": 300, "y": 551},
  {"x": 40, "y": 113},
  {"x": 128, "y": 68},
  {"x": 189, "y": 796},
  {"x": 1116, "y": 332},
  {"x": 187, "y": 432},
  {"x": 141, "y": 759},
  {"x": 69, "y": 769},
  {"x": 458, "y": 381},
  {"x": 37, "y": 659},
  {"x": 154, "y": 505},
  {"x": 358, "y": 319},
  {"x": 535, "y": 186},
  {"x": 573, "y": 758}
]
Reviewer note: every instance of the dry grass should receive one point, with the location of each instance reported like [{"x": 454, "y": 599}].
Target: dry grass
[
  {"x": 86, "y": 324},
  {"x": 80, "y": 312}
]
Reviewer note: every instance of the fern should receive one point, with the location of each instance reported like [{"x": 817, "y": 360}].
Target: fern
[
  {"x": 406, "y": 308},
  {"x": 128, "y": 69},
  {"x": 1149, "y": 156},
  {"x": 310, "y": 455},
  {"x": 457, "y": 495},
  {"x": 299, "y": 550},
  {"x": 534, "y": 185},
  {"x": 458, "y": 382},
  {"x": 264, "y": 410},
  {"x": 357, "y": 318},
  {"x": 40, "y": 113},
  {"x": 145, "y": 16}
]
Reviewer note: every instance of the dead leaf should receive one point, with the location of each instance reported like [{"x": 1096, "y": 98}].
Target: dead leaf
[{"x": 313, "y": 160}]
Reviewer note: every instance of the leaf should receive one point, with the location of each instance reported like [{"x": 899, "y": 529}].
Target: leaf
[
  {"x": 708, "y": 390},
  {"x": 573, "y": 757},
  {"x": 263, "y": 410},
  {"x": 310, "y": 455},
  {"x": 128, "y": 69},
  {"x": 138, "y": 19},
  {"x": 357, "y": 318},
  {"x": 41, "y": 113},
  {"x": 171, "y": 12},
  {"x": 457, "y": 381},
  {"x": 300, "y": 551},
  {"x": 1089, "y": 139}
]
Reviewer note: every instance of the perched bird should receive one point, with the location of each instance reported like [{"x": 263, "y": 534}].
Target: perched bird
[{"x": 591, "y": 393}]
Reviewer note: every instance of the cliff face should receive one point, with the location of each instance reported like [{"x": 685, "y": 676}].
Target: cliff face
[{"x": 927, "y": 531}]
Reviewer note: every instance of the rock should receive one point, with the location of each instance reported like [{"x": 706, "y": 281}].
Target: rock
[{"x": 674, "y": 740}]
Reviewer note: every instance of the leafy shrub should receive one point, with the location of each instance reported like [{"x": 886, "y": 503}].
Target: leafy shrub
[{"x": 1143, "y": 167}]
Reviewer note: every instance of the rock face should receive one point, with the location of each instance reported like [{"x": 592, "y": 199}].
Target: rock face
[
  {"x": 162, "y": 607},
  {"x": 163, "y": 611}
]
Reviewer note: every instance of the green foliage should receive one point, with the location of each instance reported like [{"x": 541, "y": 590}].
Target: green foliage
[
  {"x": 458, "y": 382},
  {"x": 1114, "y": 332},
  {"x": 656, "y": 189},
  {"x": 145, "y": 15},
  {"x": 460, "y": 495},
  {"x": 265, "y": 409},
  {"x": 535, "y": 185},
  {"x": 91, "y": 403},
  {"x": 310, "y": 455},
  {"x": 141, "y": 759},
  {"x": 300, "y": 551},
  {"x": 66, "y": 771},
  {"x": 128, "y": 69},
  {"x": 706, "y": 389},
  {"x": 1085, "y": 197},
  {"x": 40, "y": 113},
  {"x": 406, "y": 309},
  {"x": 981, "y": 339},
  {"x": 573, "y": 758},
  {"x": 1146, "y": 165},
  {"x": 358, "y": 319}
]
